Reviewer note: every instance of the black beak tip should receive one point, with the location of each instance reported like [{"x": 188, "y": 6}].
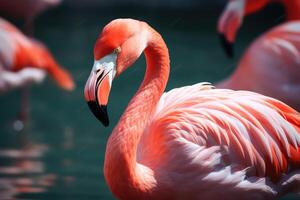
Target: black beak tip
[
  {"x": 105, "y": 122},
  {"x": 227, "y": 46},
  {"x": 100, "y": 112}
]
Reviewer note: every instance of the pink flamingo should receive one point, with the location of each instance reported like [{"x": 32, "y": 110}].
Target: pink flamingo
[
  {"x": 271, "y": 66},
  {"x": 232, "y": 17},
  {"x": 24, "y": 61},
  {"x": 27, "y": 10},
  {"x": 193, "y": 142}
]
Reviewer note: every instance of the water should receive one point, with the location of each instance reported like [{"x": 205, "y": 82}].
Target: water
[{"x": 60, "y": 154}]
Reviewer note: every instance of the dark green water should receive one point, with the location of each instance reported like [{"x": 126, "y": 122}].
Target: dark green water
[{"x": 60, "y": 155}]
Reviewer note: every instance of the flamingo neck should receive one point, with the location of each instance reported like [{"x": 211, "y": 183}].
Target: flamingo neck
[
  {"x": 292, "y": 9},
  {"x": 125, "y": 176}
]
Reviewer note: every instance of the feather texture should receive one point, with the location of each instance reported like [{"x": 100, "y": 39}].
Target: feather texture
[{"x": 225, "y": 138}]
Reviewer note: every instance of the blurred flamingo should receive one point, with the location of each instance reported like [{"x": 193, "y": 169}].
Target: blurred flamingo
[
  {"x": 26, "y": 10},
  {"x": 235, "y": 10},
  {"x": 193, "y": 142},
  {"x": 271, "y": 66},
  {"x": 24, "y": 61}
]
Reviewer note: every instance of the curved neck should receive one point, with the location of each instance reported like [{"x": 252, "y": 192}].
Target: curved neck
[
  {"x": 292, "y": 8},
  {"x": 121, "y": 169}
]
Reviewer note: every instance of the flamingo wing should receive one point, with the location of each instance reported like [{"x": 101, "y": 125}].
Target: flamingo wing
[
  {"x": 18, "y": 52},
  {"x": 284, "y": 41},
  {"x": 8, "y": 45},
  {"x": 239, "y": 139}
]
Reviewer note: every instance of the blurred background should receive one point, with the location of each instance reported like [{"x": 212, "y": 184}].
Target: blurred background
[{"x": 59, "y": 155}]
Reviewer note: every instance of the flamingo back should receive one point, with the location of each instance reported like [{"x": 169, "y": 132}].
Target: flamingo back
[{"x": 222, "y": 138}]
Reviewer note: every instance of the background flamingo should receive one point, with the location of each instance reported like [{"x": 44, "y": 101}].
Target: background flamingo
[
  {"x": 235, "y": 10},
  {"x": 24, "y": 61},
  {"x": 271, "y": 66},
  {"x": 193, "y": 142},
  {"x": 26, "y": 10}
]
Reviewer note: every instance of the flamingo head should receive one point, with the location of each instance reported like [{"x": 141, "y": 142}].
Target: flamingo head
[
  {"x": 229, "y": 23},
  {"x": 119, "y": 45}
]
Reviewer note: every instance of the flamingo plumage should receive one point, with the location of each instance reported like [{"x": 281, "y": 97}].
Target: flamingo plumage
[
  {"x": 18, "y": 52},
  {"x": 271, "y": 65},
  {"x": 235, "y": 10},
  {"x": 25, "y": 60},
  {"x": 27, "y": 10},
  {"x": 193, "y": 142}
]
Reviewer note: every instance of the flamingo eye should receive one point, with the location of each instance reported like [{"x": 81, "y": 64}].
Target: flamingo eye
[{"x": 117, "y": 50}]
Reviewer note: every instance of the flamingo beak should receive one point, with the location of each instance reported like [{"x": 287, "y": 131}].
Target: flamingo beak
[
  {"x": 229, "y": 24},
  {"x": 98, "y": 87},
  {"x": 227, "y": 45}
]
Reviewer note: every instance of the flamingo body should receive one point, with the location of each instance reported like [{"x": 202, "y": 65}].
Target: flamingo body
[
  {"x": 25, "y": 60},
  {"x": 209, "y": 143},
  {"x": 193, "y": 142},
  {"x": 271, "y": 65},
  {"x": 26, "y": 10}
]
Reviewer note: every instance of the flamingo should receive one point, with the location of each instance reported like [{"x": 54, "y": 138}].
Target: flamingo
[
  {"x": 27, "y": 10},
  {"x": 235, "y": 10},
  {"x": 24, "y": 61},
  {"x": 193, "y": 142},
  {"x": 271, "y": 65}
]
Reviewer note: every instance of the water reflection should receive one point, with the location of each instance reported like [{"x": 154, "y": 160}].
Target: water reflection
[
  {"x": 67, "y": 162},
  {"x": 22, "y": 169}
]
